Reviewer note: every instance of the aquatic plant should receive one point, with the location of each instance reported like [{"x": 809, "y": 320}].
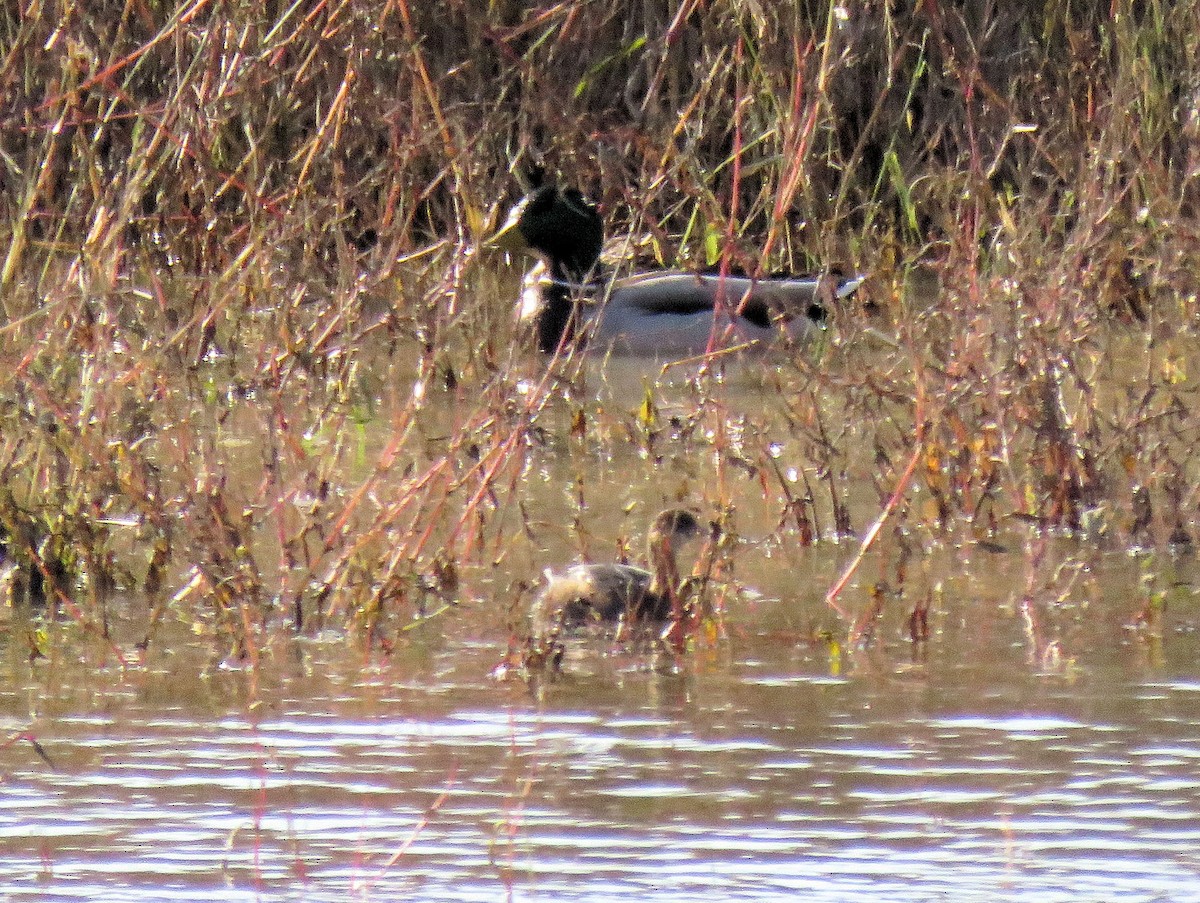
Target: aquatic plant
[{"x": 256, "y": 367}]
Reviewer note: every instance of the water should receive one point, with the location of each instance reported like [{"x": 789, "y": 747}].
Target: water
[
  {"x": 753, "y": 771},
  {"x": 1040, "y": 747}
]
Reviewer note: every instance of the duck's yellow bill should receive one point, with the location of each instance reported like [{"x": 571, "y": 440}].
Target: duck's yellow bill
[{"x": 509, "y": 237}]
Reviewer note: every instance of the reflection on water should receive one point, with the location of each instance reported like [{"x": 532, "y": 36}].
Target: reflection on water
[
  {"x": 1039, "y": 748},
  {"x": 753, "y": 773}
]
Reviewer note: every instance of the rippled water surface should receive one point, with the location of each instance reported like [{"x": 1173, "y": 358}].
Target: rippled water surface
[
  {"x": 1041, "y": 746},
  {"x": 753, "y": 772}
]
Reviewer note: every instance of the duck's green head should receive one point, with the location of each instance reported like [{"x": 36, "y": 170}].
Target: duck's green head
[{"x": 561, "y": 225}]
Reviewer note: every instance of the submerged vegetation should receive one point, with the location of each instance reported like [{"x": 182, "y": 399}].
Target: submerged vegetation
[{"x": 257, "y": 368}]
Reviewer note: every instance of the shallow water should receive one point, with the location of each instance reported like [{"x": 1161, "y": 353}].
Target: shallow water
[
  {"x": 1039, "y": 747},
  {"x": 754, "y": 771}
]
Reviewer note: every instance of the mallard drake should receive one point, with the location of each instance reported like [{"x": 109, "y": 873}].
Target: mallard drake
[
  {"x": 568, "y": 297},
  {"x": 595, "y": 593}
]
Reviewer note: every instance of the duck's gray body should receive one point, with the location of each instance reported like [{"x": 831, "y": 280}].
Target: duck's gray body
[
  {"x": 677, "y": 314},
  {"x": 668, "y": 314}
]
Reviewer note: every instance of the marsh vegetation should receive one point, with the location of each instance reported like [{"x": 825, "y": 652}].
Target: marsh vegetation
[
  {"x": 279, "y": 475},
  {"x": 259, "y": 372}
]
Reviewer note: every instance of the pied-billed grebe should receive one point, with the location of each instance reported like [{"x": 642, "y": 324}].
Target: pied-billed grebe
[
  {"x": 663, "y": 314},
  {"x": 595, "y": 593}
]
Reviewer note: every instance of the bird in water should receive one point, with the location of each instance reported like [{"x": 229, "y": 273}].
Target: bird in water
[
  {"x": 607, "y": 593},
  {"x": 666, "y": 314}
]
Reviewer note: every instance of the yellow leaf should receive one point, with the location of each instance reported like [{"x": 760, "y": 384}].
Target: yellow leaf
[
  {"x": 647, "y": 412},
  {"x": 712, "y": 244},
  {"x": 474, "y": 217}
]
